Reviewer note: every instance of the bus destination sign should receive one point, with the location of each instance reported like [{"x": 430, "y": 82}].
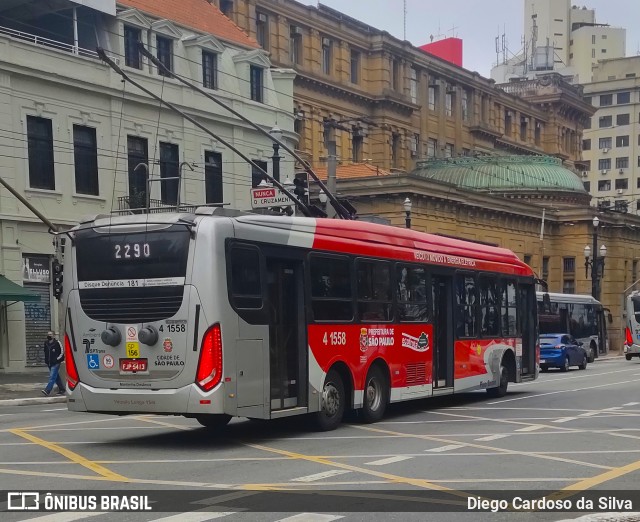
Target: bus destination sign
[{"x": 269, "y": 197}]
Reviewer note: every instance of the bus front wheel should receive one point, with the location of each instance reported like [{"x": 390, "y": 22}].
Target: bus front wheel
[
  {"x": 332, "y": 403},
  {"x": 501, "y": 389}
]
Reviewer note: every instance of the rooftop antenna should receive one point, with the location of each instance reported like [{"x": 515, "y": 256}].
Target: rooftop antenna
[
  {"x": 453, "y": 30},
  {"x": 498, "y": 48},
  {"x": 405, "y": 20}
]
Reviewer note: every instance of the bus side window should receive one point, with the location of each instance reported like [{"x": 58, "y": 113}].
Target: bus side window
[
  {"x": 411, "y": 293},
  {"x": 331, "y": 289},
  {"x": 467, "y": 304},
  {"x": 246, "y": 287},
  {"x": 374, "y": 291}
]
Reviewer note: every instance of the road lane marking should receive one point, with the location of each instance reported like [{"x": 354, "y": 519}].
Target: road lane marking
[
  {"x": 535, "y": 427},
  {"x": 631, "y": 404},
  {"x": 55, "y": 409},
  {"x": 319, "y": 476},
  {"x": 564, "y": 419},
  {"x": 389, "y": 460},
  {"x": 65, "y": 517},
  {"x": 529, "y": 425},
  {"x": 535, "y": 395},
  {"x": 194, "y": 516},
  {"x": 492, "y": 437},
  {"x": 599, "y": 479},
  {"x": 590, "y": 414},
  {"x": 75, "y": 457},
  {"x": 504, "y": 451},
  {"x": 441, "y": 449},
  {"x": 310, "y": 517},
  {"x": 564, "y": 378}
]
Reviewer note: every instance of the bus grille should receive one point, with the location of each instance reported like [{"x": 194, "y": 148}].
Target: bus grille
[
  {"x": 416, "y": 374},
  {"x": 132, "y": 305}
]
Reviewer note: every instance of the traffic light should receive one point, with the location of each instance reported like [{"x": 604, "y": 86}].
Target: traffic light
[
  {"x": 56, "y": 268},
  {"x": 301, "y": 187}
]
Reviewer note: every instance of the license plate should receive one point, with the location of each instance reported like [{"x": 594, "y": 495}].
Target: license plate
[
  {"x": 133, "y": 365},
  {"x": 541, "y": 361}
]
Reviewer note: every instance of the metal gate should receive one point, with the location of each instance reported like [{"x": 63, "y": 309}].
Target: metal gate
[{"x": 37, "y": 322}]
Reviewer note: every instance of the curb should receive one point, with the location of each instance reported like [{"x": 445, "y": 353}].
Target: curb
[{"x": 32, "y": 400}]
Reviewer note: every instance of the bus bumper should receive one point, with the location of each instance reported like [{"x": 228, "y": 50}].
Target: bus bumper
[
  {"x": 634, "y": 349},
  {"x": 189, "y": 400}
]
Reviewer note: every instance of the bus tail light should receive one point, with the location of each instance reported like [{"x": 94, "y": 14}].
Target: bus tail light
[
  {"x": 629, "y": 339},
  {"x": 209, "y": 371},
  {"x": 72, "y": 371}
]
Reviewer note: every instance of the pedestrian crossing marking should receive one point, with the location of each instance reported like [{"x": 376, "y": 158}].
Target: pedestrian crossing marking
[
  {"x": 445, "y": 448},
  {"x": 389, "y": 460},
  {"x": 531, "y": 428},
  {"x": 320, "y": 476},
  {"x": 492, "y": 437}
]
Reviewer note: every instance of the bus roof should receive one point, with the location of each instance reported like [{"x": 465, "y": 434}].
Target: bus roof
[{"x": 568, "y": 298}]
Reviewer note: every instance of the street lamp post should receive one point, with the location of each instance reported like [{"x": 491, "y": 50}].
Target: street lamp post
[
  {"x": 596, "y": 263},
  {"x": 407, "y": 210},
  {"x": 277, "y": 134}
]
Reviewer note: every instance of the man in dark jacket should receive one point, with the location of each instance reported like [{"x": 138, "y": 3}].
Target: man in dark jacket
[{"x": 53, "y": 357}]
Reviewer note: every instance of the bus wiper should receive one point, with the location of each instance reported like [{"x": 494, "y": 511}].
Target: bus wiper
[
  {"x": 339, "y": 207},
  {"x": 103, "y": 56}
]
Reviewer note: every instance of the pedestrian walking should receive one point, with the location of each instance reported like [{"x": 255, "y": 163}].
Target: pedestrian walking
[{"x": 53, "y": 357}]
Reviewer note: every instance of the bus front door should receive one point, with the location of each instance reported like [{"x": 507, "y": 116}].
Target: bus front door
[
  {"x": 287, "y": 334},
  {"x": 442, "y": 288}
]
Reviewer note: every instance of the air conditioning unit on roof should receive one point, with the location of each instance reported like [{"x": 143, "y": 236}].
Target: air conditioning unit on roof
[
  {"x": 604, "y": 171},
  {"x": 605, "y": 150},
  {"x": 620, "y": 191}
]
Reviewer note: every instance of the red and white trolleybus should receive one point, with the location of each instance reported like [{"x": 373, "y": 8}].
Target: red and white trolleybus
[{"x": 215, "y": 314}]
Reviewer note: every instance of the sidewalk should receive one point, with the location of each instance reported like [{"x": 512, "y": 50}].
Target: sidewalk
[{"x": 19, "y": 389}]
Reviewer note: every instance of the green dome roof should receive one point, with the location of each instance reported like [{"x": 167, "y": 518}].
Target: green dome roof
[{"x": 503, "y": 173}]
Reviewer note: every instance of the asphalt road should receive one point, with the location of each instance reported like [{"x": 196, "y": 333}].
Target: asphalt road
[{"x": 573, "y": 431}]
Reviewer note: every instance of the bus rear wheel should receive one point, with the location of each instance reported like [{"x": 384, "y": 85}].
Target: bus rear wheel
[
  {"x": 376, "y": 396},
  {"x": 592, "y": 352},
  {"x": 214, "y": 421},
  {"x": 332, "y": 403},
  {"x": 628, "y": 357}
]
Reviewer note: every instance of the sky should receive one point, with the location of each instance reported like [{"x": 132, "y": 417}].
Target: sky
[{"x": 477, "y": 22}]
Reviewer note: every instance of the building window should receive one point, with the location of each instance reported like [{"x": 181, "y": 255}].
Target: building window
[
  {"x": 132, "y": 37},
  {"x": 448, "y": 150},
  {"x": 603, "y": 51},
  {"x": 295, "y": 45},
  {"x": 604, "y": 185},
  {"x": 604, "y": 164},
  {"x": 605, "y": 121},
  {"x": 507, "y": 122},
  {"x": 432, "y": 97},
  {"x": 395, "y": 150},
  {"x": 465, "y": 105},
  {"x": 137, "y": 151},
  {"x": 606, "y": 100},
  {"x": 262, "y": 30},
  {"x": 623, "y": 119},
  {"x": 586, "y": 144},
  {"x": 165, "y": 53},
  {"x": 355, "y": 67},
  {"x": 257, "y": 83},
  {"x": 41, "y": 166},
  {"x": 545, "y": 267},
  {"x": 569, "y": 286},
  {"x": 209, "y": 70},
  {"x": 395, "y": 71},
  {"x": 213, "y": 177},
  {"x": 357, "y": 141},
  {"x": 326, "y": 56},
  {"x": 622, "y": 163},
  {"x": 622, "y": 184},
  {"x": 527, "y": 259},
  {"x": 538, "y": 133},
  {"x": 524, "y": 121},
  {"x": 587, "y": 125},
  {"x": 85, "y": 155},
  {"x": 415, "y": 145},
  {"x": 639, "y": 166},
  {"x": 256, "y": 176},
  {"x": 414, "y": 86},
  {"x": 587, "y": 186},
  {"x": 622, "y": 141},
  {"x": 593, "y": 53},
  {"x": 448, "y": 103},
  {"x": 624, "y": 97},
  {"x": 604, "y": 143},
  {"x": 569, "y": 265},
  {"x": 432, "y": 145},
  {"x": 634, "y": 271},
  {"x": 226, "y": 6},
  {"x": 169, "y": 168}
]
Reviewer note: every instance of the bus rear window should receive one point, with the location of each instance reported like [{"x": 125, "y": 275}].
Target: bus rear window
[
  {"x": 636, "y": 308},
  {"x": 246, "y": 287}
]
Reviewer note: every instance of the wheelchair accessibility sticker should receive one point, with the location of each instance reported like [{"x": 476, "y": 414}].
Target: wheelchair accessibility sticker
[{"x": 93, "y": 361}]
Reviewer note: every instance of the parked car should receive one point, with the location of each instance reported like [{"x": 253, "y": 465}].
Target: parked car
[{"x": 561, "y": 351}]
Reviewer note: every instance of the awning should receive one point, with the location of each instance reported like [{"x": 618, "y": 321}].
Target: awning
[{"x": 9, "y": 291}]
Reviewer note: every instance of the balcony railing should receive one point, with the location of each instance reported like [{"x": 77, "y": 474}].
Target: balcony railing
[
  {"x": 47, "y": 42},
  {"x": 137, "y": 205}
]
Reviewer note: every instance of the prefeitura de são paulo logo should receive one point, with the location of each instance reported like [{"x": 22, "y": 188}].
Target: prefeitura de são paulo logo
[{"x": 364, "y": 340}]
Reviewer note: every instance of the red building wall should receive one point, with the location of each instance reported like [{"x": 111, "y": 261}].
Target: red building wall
[{"x": 449, "y": 49}]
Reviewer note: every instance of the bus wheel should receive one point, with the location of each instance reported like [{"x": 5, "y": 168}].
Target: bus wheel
[
  {"x": 332, "y": 405},
  {"x": 376, "y": 395},
  {"x": 628, "y": 357},
  {"x": 214, "y": 421},
  {"x": 501, "y": 389},
  {"x": 592, "y": 352}
]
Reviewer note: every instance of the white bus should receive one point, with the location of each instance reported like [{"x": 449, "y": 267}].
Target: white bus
[
  {"x": 632, "y": 330},
  {"x": 582, "y": 316}
]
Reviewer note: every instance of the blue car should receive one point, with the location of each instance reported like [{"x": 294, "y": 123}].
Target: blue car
[{"x": 561, "y": 351}]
